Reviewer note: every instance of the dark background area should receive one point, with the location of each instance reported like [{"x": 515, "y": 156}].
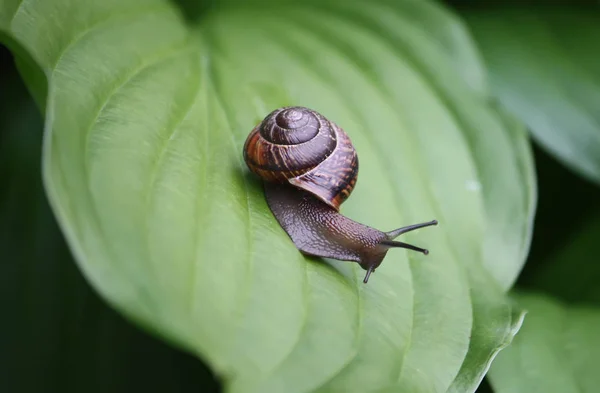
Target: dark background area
[{"x": 54, "y": 327}]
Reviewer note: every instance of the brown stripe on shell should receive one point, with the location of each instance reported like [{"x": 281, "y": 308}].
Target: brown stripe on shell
[
  {"x": 326, "y": 165},
  {"x": 333, "y": 180},
  {"x": 263, "y": 155}
]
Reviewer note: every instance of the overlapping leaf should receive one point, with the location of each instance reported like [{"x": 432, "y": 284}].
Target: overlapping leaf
[
  {"x": 545, "y": 68},
  {"x": 555, "y": 351},
  {"x": 145, "y": 121}
]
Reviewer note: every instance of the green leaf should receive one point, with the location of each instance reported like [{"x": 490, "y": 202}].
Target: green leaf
[
  {"x": 56, "y": 334},
  {"x": 555, "y": 351},
  {"x": 545, "y": 68},
  {"x": 146, "y": 116}
]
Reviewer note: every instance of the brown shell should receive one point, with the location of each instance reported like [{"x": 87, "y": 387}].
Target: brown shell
[{"x": 299, "y": 146}]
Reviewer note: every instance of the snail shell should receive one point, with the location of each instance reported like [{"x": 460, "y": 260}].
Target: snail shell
[{"x": 301, "y": 147}]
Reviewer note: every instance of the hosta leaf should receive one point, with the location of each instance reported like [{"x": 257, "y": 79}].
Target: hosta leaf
[
  {"x": 555, "y": 351},
  {"x": 545, "y": 68},
  {"x": 146, "y": 117}
]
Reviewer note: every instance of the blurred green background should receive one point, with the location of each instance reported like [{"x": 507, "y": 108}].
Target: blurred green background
[{"x": 50, "y": 312}]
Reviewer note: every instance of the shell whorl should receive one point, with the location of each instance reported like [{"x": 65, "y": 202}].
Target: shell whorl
[{"x": 300, "y": 146}]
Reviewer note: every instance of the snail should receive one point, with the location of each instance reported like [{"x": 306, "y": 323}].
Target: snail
[{"x": 309, "y": 167}]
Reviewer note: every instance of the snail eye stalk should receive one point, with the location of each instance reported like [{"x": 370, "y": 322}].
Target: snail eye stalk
[
  {"x": 397, "y": 232},
  {"x": 395, "y": 244},
  {"x": 369, "y": 271}
]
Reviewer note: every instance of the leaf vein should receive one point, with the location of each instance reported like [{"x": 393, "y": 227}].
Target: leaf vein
[
  {"x": 249, "y": 233},
  {"x": 161, "y": 155},
  {"x": 17, "y": 11},
  {"x": 159, "y": 58},
  {"x": 121, "y": 16}
]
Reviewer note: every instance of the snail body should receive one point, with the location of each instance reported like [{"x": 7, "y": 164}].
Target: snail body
[{"x": 309, "y": 168}]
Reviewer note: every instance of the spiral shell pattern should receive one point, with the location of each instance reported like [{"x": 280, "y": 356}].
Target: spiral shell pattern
[{"x": 300, "y": 146}]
